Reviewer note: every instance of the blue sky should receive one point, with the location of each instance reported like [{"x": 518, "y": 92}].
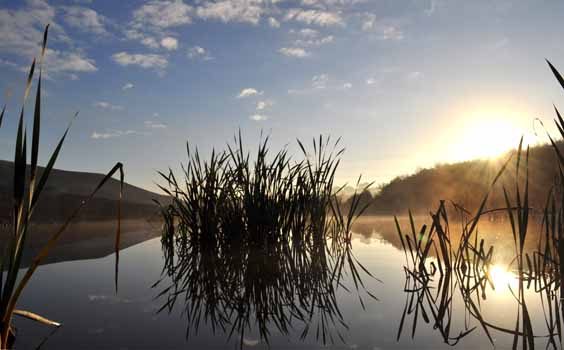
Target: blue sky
[{"x": 406, "y": 84}]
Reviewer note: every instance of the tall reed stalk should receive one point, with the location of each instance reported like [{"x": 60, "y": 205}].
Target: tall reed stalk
[{"x": 27, "y": 188}]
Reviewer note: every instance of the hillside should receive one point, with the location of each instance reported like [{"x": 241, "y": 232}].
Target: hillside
[
  {"x": 66, "y": 189},
  {"x": 464, "y": 183}
]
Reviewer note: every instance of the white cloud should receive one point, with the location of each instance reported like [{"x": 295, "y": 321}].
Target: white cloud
[
  {"x": 107, "y": 105},
  {"x": 247, "y": 92},
  {"x": 314, "y": 42},
  {"x": 262, "y": 105},
  {"x": 104, "y": 135},
  {"x": 153, "y": 20},
  {"x": 64, "y": 61},
  {"x": 128, "y": 86},
  {"x": 273, "y": 22},
  {"x": 12, "y": 65},
  {"x": 370, "y": 81},
  {"x": 141, "y": 60},
  {"x": 309, "y": 33},
  {"x": 85, "y": 19},
  {"x": 145, "y": 39},
  {"x": 114, "y": 133},
  {"x": 318, "y": 17},
  {"x": 198, "y": 52},
  {"x": 21, "y": 31},
  {"x": 390, "y": 32},
  {"x": 154, "y": 124},
  {"x": 258, "y": 117},
  {"x": 384, "y": 29},
  {"x": 347, "y": 86},
  {"x": 169, "y": 43},
  {"x": 319, "y": 81},
  {"x": 163, "y": 14},
  {"x": 244, "y": 11},
  {"x": 294, "y": 52},
  {"x": 368, "y": 21}
]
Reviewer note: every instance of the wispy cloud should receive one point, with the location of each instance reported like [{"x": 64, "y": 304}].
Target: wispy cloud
[
  {"x": 153, "y": 20},
  {"x": 319, "y": 81},
  {"x": 141, "y": 60},
  {"x": 107, "y": 105},
  {"x": 244, "y": 11},
  {"x": 64, "y": 61},
  {"x": 371, "y": 81},
  {"x": 127, "y": 86},
  {"x": 262, "y": 105},
  {"x": 347, "y": 86},
  {"x": 383, "y": 29},
  {"x": 273, "y": 22},
  {"x": 154, "y": 124},
  {"x": 247, "y": 92},
  {"x": 22, "y": 28},
  {"x": 259, "y": 117},
  {"x": 198, "y": 52},
  {"x": 368, "y": 21},
  {"x": 390, "y": 32},
  {"x": 163, "y": 14},
  {"x": 114, "y": 133},
  {"x": 312, "y": 16},
  {"x": 296, "y": 52},
  {"x": 84, "y": 19}
]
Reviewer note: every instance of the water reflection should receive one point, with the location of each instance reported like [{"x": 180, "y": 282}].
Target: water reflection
[
  {"x": 69, "y": 290},
  {"x": 460, "y": 277},
  {"x": 238, "y": 287},
  {"x": 85, "y": 239}
]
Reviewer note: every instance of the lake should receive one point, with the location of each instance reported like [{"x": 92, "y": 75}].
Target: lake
[{"x": 80, "y": 293}]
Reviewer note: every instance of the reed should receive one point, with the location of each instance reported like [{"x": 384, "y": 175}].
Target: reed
[
  {"x": 260, "y": 241},
  {"x": 28, "y": 186},
  {"x": 468, "y": 264}
]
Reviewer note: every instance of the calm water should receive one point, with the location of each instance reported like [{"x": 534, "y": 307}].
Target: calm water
[{"x": 80, "y": 294}]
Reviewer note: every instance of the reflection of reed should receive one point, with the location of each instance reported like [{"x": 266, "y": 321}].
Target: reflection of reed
[
  {"x": 259, "y": 246},
  {"x": 465, "y": 269}
]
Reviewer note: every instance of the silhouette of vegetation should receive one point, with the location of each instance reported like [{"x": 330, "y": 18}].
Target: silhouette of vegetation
[
  {"x": 260, "y": 242},
  {"x": 460, "y": 182},
  {"x": 466, "y": 266},
  {"x": 27, "y": 189}
]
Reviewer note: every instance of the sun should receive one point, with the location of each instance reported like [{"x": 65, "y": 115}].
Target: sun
[
  {"x": 488, "y": 139},
  {"x": 486, "y": 136}
]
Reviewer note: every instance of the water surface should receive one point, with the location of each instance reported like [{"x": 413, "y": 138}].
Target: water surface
[{"x": 81, "y": 295}]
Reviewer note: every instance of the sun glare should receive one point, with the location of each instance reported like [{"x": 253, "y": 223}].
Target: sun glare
[
  {"x": 502, "y": 278},
  {"x": 487, "y": 137}
]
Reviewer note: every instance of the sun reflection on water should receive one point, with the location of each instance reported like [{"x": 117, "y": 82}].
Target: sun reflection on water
[{"x": 502, "y": 278}]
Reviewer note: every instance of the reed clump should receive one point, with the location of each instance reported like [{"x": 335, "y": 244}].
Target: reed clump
[
  {"x": 465, "y": 266},
  {"x": 27, "y": 188},
  {"x": 260, "y": 241}
]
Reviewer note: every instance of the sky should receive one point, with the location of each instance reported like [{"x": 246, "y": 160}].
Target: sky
[{"x": 405, "y": 84}]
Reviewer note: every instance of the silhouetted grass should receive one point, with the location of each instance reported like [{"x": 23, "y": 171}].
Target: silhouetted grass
[
  {"x": 260, "y": 241},
  {"x": 27, "y": 189},
  {"x": 468, "y": 264}
]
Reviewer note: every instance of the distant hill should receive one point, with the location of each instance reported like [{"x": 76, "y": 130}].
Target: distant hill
[
  {"x": 66, "y": 189},
  {"x": 464, "y": 183}
]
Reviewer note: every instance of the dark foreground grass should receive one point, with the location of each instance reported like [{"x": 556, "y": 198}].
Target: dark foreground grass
[
  {"x": 464, "y": 267},
  {"x": 27, "y": 188},
  {"x": 260, "y": 243}
]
